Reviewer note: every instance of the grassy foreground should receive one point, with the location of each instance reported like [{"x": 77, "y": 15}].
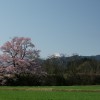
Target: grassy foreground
[{"x": 50, "y": 93}]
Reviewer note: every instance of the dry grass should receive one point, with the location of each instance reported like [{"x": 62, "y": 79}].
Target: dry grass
[{"x": 50, "y": 89}]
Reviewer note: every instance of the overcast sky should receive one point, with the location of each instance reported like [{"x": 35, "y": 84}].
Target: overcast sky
[{"x": 55, "y": 26}]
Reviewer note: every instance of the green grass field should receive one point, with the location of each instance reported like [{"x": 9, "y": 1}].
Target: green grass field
[{"x": 50, "y": 93}]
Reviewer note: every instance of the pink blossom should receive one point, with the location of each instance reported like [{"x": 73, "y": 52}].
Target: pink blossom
[{"x": 18, "y": 54}]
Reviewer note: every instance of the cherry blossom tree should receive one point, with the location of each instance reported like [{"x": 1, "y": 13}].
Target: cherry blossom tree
[
  {"x": 19, "y": 54},
  {"x": 18, "y": 51}
]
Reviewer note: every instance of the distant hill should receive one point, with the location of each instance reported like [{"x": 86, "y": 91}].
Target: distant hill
[{"x": 97, "y": 57}]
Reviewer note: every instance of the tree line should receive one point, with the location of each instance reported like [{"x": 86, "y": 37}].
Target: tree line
[
  {"x": 21, "y": 65},
  {"x": 74, "y": 70}
]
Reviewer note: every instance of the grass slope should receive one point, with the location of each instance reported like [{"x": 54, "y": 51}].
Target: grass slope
[{"x": 50, "y": 93}]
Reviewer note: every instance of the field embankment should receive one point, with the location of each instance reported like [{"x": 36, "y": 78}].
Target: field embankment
[{"x": 50, "y": 93}]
